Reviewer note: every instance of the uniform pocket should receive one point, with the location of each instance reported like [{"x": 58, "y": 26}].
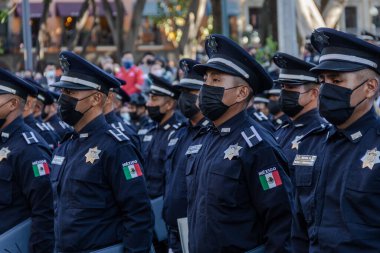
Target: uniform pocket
[
  {"x": 223, "y": 183},
  {"x": 361, "y": 199},
  {"x": 304, "y": 176},
  {"x": 5, "y": 184},
  {"x": 87, "y": 187}
]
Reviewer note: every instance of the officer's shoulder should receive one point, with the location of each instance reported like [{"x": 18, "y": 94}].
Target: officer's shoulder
[
  {"x": 117, "y": 135},
  {"x": 319, "y": 130},
  {"x": 252, "y": 133}
]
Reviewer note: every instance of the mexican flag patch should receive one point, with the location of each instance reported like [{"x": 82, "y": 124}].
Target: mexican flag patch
[
  {"x": 40, "y": 168},
  {"x": 132, "y": 169},
  {"x": 270, "y": 178}
]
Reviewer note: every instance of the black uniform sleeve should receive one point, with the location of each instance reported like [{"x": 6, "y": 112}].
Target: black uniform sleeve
[
  {"x": 271, "y": 201},
  {"x": 300, "y": 240},
  {"x": 128, "y": 185},
  {"x": 37, "y": 190}
]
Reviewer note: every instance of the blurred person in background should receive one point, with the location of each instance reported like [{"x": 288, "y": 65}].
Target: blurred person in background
[{"x": 131, "y": 74}]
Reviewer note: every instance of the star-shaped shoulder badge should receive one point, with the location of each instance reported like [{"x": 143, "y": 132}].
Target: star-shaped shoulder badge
[
  {"x": 232, "y": 151},
  {"x": 4, "y": 153},
  {"x": 65, "y": 65},
  {"x": 92, "y": 155},
  {"x": 370, "y": 158}
]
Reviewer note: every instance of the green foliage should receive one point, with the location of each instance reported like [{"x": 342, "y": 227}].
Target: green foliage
[{"x": 265, "y": 53}]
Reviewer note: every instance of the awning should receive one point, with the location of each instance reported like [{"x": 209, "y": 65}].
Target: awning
[
  {"x": 73, "y": 9},
  {"x": 35, "y": 10}
]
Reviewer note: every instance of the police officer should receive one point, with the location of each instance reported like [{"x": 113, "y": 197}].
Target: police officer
[
  {"x": 161, "y": 105},
  {"x": 51, "y": 118},
  {"x": 100, "y": 196},
  {"x": 337, "y": 170},
  {"x": 258, "y": 110},
  {"x": 24, "y": 168},
  {"x": 117, "y": 122},
  {"x": 120, "y": 99},
  {"x": 236, "y": 181},
  {"x": 138, "y": 114},
  {"x": 41, "y": 128},
  {"x": 299, "y": 101},
  {"x": 175, "y": 197},
  {"x": 277, "y": 116}
]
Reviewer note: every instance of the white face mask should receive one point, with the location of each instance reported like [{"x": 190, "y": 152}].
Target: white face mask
[
  {"x": 125, "y": 116},
  {"x": 158, "y": 72}
]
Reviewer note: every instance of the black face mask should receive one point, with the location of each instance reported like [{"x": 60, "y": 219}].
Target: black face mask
[
  {"x": 210, "y": 101},
  {"x": 187, "y": 104},
  {"x": 67, "y": 110},
  {"x": 334, "y": 103},
  {"x": 155, "y": 114},
  {"x": 289, "y": 102},
  {"x": 133, "y": 115},
  {"x": 274, "y": 107},
  {"x": 43, "y": 113},
  {"x": 2, "y": 121}
]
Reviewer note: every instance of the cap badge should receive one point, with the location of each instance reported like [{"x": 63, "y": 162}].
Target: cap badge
[
  {"x": 185, "y": 67},
  {"x": 64, "y": 63},
  {"x": 321, "y": 38},
  {"x": 212, "y": 45}
]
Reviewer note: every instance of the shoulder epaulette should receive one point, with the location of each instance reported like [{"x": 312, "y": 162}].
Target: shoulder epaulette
[
  {"x": 317, "y": 130},
  {"x": 42, "y": 126},
  {"x": 118, "y": 135},
  {"x": 30, "y": 137},
  {"x": 251, "y": 136},
  {"x": 118, "y": 126},
  {"x": 260, "y": 116}
]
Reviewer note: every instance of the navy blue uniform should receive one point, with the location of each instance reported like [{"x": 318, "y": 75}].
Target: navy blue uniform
[
  {"x": 118, "y": 123},
  {"x": 238, "y": 191},
  {"x": 154, "y": 148},
  {"x": 337, "y": 189},
  {"x": 283, "y": 119},
  {"x": 24, "y": 184},
  {"x": 60, "y": 127},
  {"x": 100, "y": 196},
  {"x": 175, "y": 196},
  {"x": 261, "y": 118},
  {"x": 289, "y": 134},
  {"x": 42, "y": 129},
  {"x": 142, "y": 123}
]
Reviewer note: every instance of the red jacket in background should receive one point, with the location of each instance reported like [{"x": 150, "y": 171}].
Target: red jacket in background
[{"x": 134, "y": 78}]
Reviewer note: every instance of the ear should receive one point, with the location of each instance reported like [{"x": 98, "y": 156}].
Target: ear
[
  {"x": 110, "y": 97},
  {"x": 314, "y": 93},
  {"x": 242, "y": 93},
  {"x": 97, "y": 98},
  {"x": 14, "y": 104},
  {"x": 372, "y": 88},
  {"x": 170, "y": 104}
]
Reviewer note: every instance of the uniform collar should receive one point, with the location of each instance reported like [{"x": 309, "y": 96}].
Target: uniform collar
[
  {"x": 111, "y": 117},
  {"x": 172, "y": 121},
  {"x": 357, "y": 130},
  {"x": 230, "y": 125},
  {"x": 39, "y": 119},
  {"x": 11, "y": 128},
  {"x": 303, "y": 120},
  {"x": 30, "y": 119},
  {"x": 91, "y": 128}
]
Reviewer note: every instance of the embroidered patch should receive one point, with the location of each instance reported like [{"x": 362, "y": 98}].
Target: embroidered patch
[
  {"x": 147, "y": 138},
  {"x": 40, "y": 168},
  {"x": 304, "y": 160},
  {"x": 172, "y": 142},
  {"x": 193, "y": 149},
  {"x": 270, "y": 178},
  {"x": 132, "y": 169}
]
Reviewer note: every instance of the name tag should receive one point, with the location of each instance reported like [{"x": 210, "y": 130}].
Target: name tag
[
  {"x": 58, "y": 160},
  {"x": 193, "y": 149},
  {"x": 142, "y": 131},
  {"x": 304, "y": 160},
  {"x": 172, "y": 142},
  {"x": 147, "y": 138}
]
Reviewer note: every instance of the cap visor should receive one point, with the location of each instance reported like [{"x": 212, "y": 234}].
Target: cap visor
[
  {"x": 291, "y": 82},
  {"x": 340, "y": 66},
  {"x": 71, "y": 86},
  {"x": 202, "y": 68},
  {"x": 157, "y": 93},
  {"x": 188, "y": 86}
]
